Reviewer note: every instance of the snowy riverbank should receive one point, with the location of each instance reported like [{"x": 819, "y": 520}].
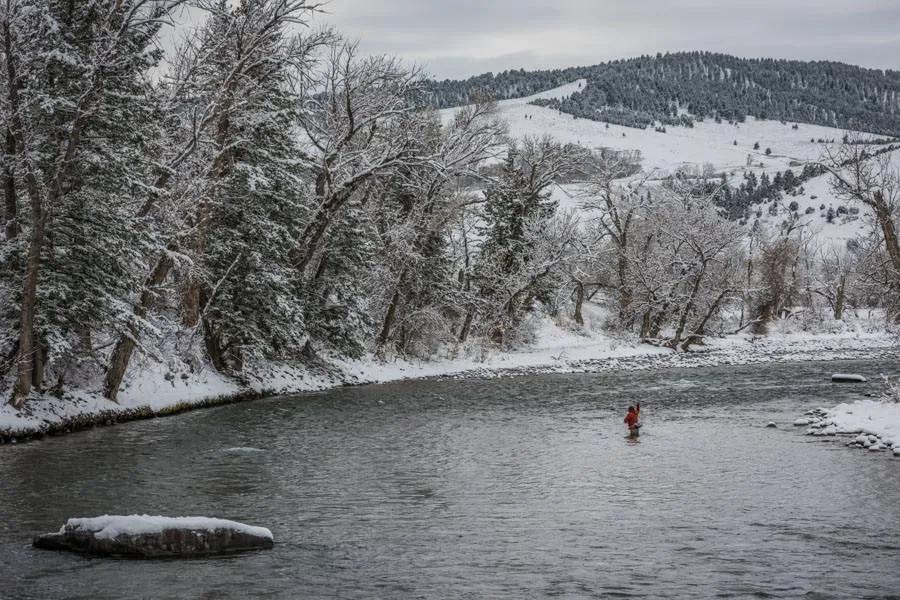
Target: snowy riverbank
[
  {"x": 874, "y": 424},
  {"x": 156, "y": 391}
]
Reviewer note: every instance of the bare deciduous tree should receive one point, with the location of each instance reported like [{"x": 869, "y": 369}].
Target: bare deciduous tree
[{"x": 873, "y": 181}]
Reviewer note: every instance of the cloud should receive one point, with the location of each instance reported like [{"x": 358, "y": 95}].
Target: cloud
[{"x": 466, "y": 37}]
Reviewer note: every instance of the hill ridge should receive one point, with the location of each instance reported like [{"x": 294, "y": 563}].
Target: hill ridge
[{"x": 679, "y": 88}]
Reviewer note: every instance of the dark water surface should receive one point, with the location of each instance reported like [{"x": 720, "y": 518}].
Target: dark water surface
[{"x": 513, "y": 488}]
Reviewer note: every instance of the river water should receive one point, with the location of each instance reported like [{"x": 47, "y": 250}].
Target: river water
[{"x": 510, "y": 488}]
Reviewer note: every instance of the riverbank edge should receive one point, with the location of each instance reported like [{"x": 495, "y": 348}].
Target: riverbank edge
[{"x": 115, "y": 414}]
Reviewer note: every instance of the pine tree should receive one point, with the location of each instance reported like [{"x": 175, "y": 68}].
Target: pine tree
[
  {"x": 230, "y": 79},
  {"x": 76, "y": 110},
  {"x": 517, "y": 210}
]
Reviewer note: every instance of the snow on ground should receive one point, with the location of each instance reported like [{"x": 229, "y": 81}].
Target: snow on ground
[
  {"x": 707, "y": 143},
  {"x": 154, "y": 390},
  {"x": 112, "y": 526},
  {"x": 817, "y": 193},
  {"x": 874, "y": 423},
  {"x": 556, "y": 349},
  {"x": 157, "y": 388}
]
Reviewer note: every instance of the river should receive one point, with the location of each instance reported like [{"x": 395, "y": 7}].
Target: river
[{"x": 505, "y": 488}]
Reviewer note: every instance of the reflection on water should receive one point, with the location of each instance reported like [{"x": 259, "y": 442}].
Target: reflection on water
[{"x": 506, "y": 488}]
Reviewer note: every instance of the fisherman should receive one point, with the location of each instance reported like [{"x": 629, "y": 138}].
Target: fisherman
[{"x": 631, "y": 420}]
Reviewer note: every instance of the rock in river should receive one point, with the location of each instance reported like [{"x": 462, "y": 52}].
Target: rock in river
[
  {"x": 144, "y": 536},
  {"x": 847, "y": 378}
]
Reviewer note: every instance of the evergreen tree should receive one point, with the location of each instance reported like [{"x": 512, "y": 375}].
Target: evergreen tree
[
  {"x": 77, "y": 108},
  {"x": 517, "y": 210}
]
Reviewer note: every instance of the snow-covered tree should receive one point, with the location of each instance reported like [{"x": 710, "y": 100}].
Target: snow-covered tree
[
  {"x": 424, "y": 301},
  {"x": 873, "y": 181},
  {"x": 76, "y": 77},
  {"x": 616, "y": 198},
  {"x": 235, "y": 90},
  {"x": 688, "y": 255},
  {"x": 516, "y": 256}
]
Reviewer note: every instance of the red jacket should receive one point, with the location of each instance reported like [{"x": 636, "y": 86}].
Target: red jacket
[{"x": 631, "y": 418}]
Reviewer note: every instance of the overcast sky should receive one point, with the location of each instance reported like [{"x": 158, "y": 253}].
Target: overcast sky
[{"x": 459, "y": 38}]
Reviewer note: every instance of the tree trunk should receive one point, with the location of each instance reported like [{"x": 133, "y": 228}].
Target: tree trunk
[
  {"x": 37, "y": 372},
  {"x": 29, "y": 295},
  {"x": 312, "y": 237},
  {"x": 219, "y": 169},
  {"x": 121, "y": 355},
  {"x": 391, "y": 314},
  {"x": 688, "y": 307},
  {"x": 761, "y": 319},
  {"x": 11, "y": 205},
  {"x": 579, "y": 302},
  {"x": 839, "y": 299},
  {"x": 466, "y": 327},
  {"x": 657, "y": 320},
  {"x": 646, "y": 324},
  {"x": 10, "y": 201},
  {"x": 625, "y": 294},
  {"x": 886, "y": 221},
  {"x": 701, "y": 328},
  {"x": 213, "y": 342},
  {"x": 190, "y": 306}
]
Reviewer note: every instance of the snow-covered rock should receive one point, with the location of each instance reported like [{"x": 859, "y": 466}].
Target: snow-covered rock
[
  {"x": 801, "y": 423},
  {"x": 847, "y": 378},
  {"x": 144, "y": 536},
  {"x": 875, "y": 423}
]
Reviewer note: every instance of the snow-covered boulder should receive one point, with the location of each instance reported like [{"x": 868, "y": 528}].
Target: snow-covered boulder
[
  {"x": 144, "y": 536},
  {"x": 847, "y": 378}
]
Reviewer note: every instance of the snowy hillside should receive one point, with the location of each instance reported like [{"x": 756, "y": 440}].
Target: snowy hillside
[{"x": 706, "y": 144}]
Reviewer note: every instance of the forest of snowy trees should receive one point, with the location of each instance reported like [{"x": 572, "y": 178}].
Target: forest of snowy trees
[
  {"x": 264, "y": 193},
  {"x": 677, "y": 88}
]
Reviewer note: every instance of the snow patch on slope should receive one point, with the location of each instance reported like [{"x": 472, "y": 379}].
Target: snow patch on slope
[{"x": 707, "y": 143}]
